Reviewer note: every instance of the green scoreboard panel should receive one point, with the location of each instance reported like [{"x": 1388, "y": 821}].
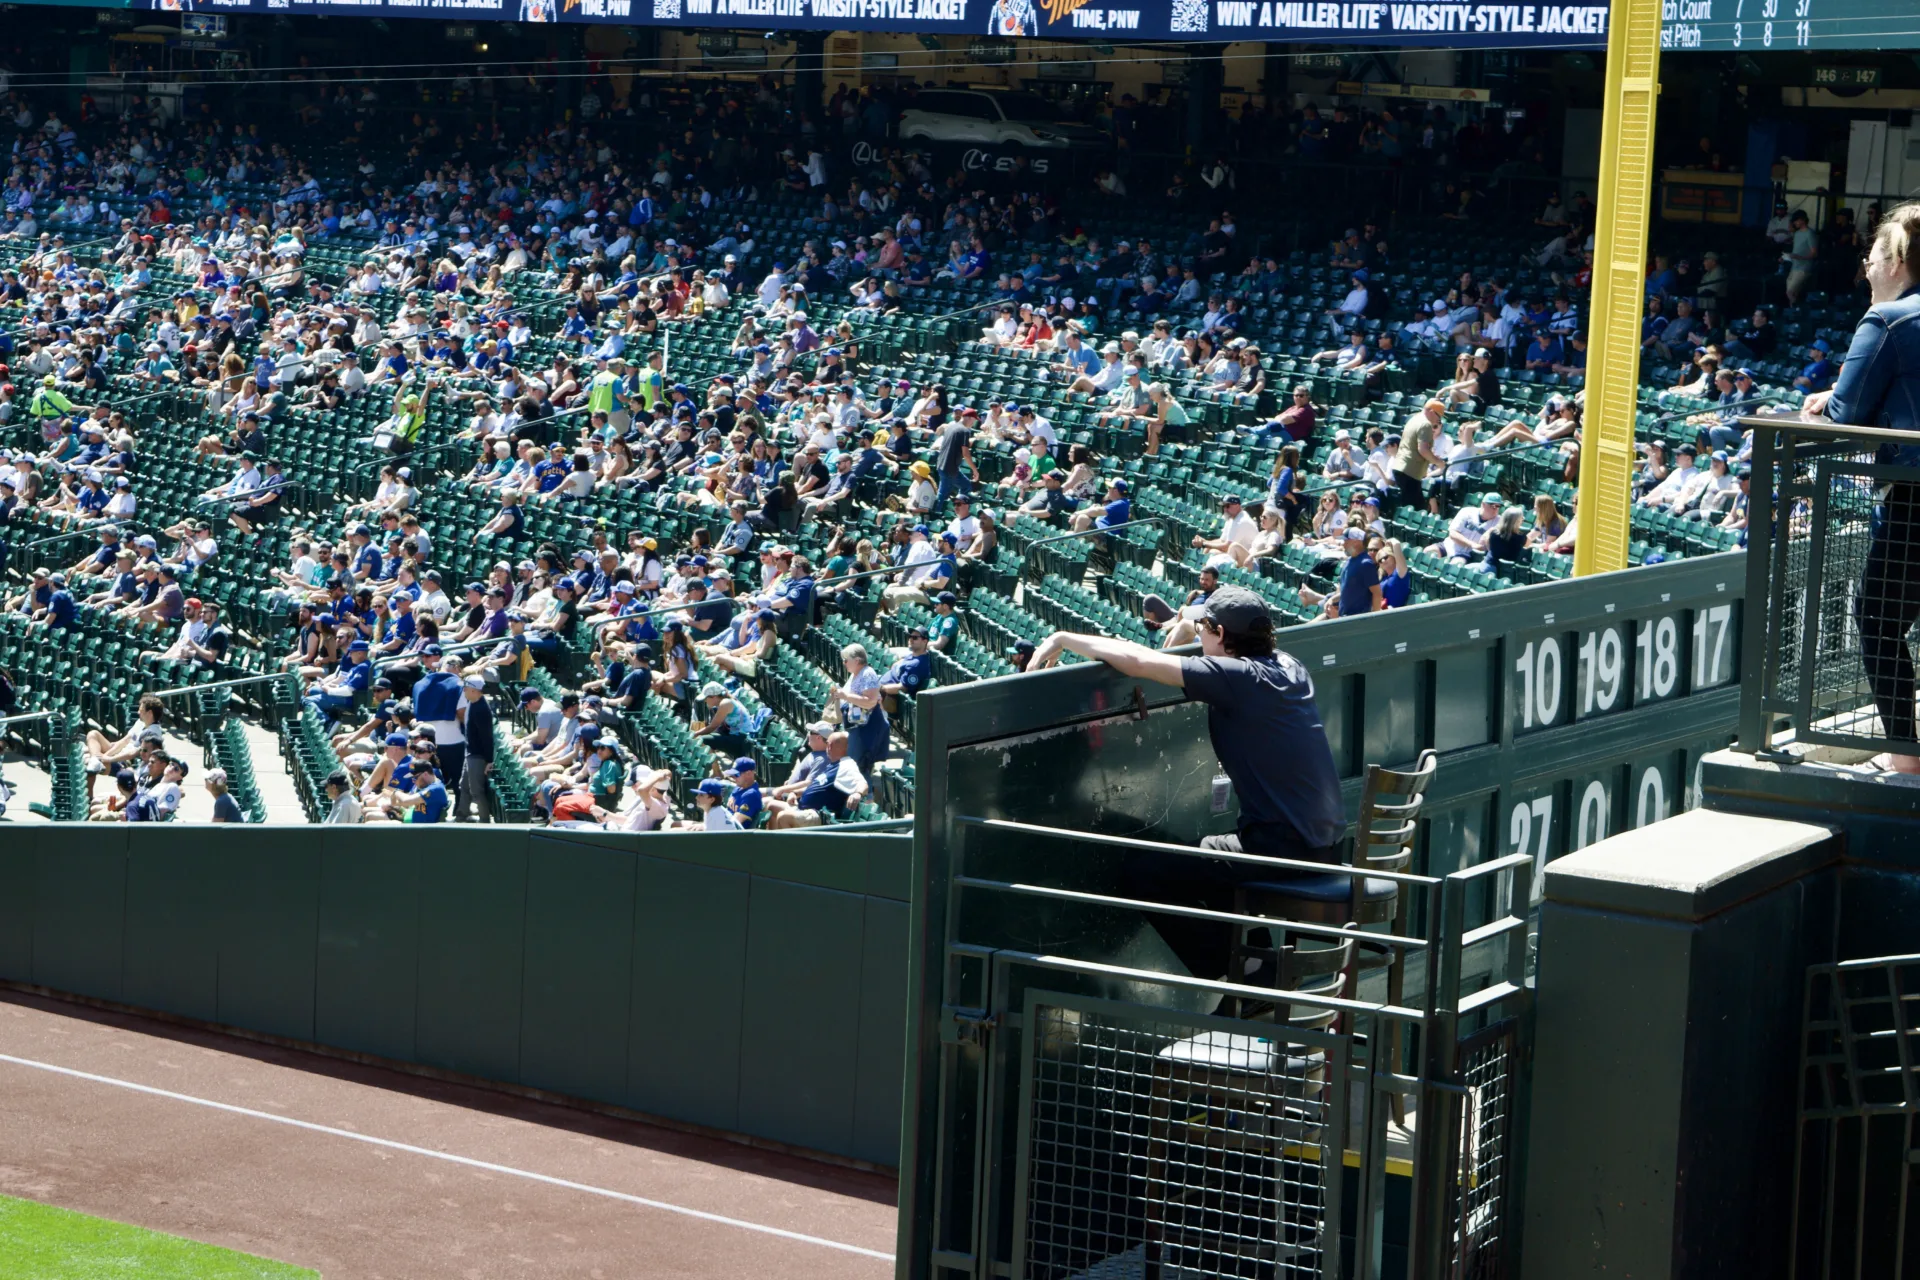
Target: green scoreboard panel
[
  {"x": 1791, "y": 24},
  {"x": 1562, "y": 714}
]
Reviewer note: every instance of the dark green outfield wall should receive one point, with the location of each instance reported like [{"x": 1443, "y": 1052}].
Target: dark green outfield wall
[{"x": 753, "y": 983}]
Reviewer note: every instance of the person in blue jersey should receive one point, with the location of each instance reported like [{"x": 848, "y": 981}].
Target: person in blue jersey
[{"x": 745, "y": 801}]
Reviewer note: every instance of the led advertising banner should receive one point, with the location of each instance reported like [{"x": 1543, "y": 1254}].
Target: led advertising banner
[
  {"x": 1689, "y": 24},
  {"x": 1453, "y": 25}
]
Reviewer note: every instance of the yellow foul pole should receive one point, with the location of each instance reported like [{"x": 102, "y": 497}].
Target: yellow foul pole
[{"x": 1619, "y": 286}]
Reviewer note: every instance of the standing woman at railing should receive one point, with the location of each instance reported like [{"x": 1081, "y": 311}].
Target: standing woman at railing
[{"x": 1880, "y": 386}]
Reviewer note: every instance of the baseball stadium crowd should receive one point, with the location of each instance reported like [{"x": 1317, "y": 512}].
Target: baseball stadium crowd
[{"x": 633, "y": 473}]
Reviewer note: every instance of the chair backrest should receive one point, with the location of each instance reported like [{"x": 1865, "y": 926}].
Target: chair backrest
[
  {"x": 1390, "y": 802},
  {"x": 1319, "y": 968}
]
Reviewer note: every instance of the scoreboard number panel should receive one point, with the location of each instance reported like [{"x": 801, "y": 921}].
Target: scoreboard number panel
[
  {"x": 1617, "y": 664},
  {"x": 1656, "y": 788},
  {"x": 1715, "y": 640},
  {"x": 1539, "y": 677},
  {"x": 1594, "y": 808},
  {"x": 1659, "y": 658},
  {"x": 1604, "y": 678},
  {"x": 1535, "y": 826}
]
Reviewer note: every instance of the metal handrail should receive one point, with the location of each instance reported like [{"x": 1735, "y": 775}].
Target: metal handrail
[
  {"x": 1680, "y": 415},
  {"x": 68, "y": 536},
  {"x": 27, "y": 717},
  {"x": 1505, "y": 451},
  {"x": 1193, "y": 913},
  {"x": 1085, "y": 533},
  {"x": 402, "y": 458},
  {"x": 694, "y": 604},
  {"x": 465, "y": 646},
  {"x": 214, "y": 685},
  {"x": 1189, "y": 851}
]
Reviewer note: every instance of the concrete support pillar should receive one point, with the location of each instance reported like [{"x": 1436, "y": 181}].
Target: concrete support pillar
[
  {"x": 1204, "y": 78},
  {"x": 1673, "y": 960},
  {"x": 809, "y": 76}
]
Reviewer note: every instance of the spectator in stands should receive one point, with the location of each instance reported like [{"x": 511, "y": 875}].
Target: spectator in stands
[
  {"x": 1116, "y": 509},
  {"x": 1359, "y": 586},
  {"x": 1353, "y": 308},
  {"x": 1467, "y": 533},
  {"x": 1802, "y": 256},
  {"x": 1548, "y": 523},
  {"x": 1756, "y": 339},
  {"x": 225, "y": 807},
  {"x": 475, "y": 716},
  {"x": 345, "y": 687},
  {"x": 1506, "y": 540},
  {"x": 1416, "y": 456},
  {"x": 857, "y": 703},
  {"x": 1713, "y": 496},
  {"x": 831, "y": 785},
  {"x": 1344, "y": 460},
  {"x": 343, "y": 807},
  {"x": 1819, "y": 373},
  {"x": 1396, "y": 577},
  {"x": 1297, "y": 420},
  {"x": 1680, "y": 483},
  {"x": 1463, "y": 471}
]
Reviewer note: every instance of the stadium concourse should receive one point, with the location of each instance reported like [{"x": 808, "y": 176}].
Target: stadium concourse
[{"x": 517, "y": 485}]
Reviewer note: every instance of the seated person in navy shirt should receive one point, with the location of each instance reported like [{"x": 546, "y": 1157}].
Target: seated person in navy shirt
[
  {"x": 346, "y": 684},
  {"x": 1544, "y": 352},
  {"x": 794, "y": 601},
  {"x": 912, "y": 673},
  {"x": 1266, "y": 731},
  {"x": 59, "y": 609},
  {"x": 635, "y": 684}
]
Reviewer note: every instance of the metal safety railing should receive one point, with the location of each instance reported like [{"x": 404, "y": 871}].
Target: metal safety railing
[
  {"x": 1119, "y": 1125},
  {"x": 1833, "y": 564},
  {"x": 1858, "y": 1138}
]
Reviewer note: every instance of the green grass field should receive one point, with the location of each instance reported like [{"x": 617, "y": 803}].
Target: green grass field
[{"x": 39, "y": 1242}]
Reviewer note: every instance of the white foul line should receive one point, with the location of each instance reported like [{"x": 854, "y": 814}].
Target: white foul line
[{"x": 468, "y": 1161}]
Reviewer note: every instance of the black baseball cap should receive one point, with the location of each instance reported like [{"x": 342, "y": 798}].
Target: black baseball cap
[{"x": 1237, "y": 610}]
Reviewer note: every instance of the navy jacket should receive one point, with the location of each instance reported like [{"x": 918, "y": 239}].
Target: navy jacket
[
  {"x": 1879, "y": 384},
  {"x": 479, "y": 729}
]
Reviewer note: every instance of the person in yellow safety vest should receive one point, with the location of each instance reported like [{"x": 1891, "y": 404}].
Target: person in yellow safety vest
[
  {"x": 48, "y": 402},
  {"x": 402, "y": 431},
  {"x": 48, "y": 409},
  {"x": 606, "y": 389}
]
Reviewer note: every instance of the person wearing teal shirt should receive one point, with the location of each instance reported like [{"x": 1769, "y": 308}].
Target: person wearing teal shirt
[
  {"x": 946, "y": 623},
  {"x": 608, "y": 773}
]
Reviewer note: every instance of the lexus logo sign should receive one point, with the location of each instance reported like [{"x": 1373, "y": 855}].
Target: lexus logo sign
[
  {"x": 978, "y": 159},
  {"x": 973, "y": 159}
]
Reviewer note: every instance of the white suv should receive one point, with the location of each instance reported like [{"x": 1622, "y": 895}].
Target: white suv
[{"x": 992, "y": 118}]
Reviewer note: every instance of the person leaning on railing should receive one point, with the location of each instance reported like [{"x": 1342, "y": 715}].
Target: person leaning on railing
[
  {"x": 1880, "y": 386},
  {"x": 1266, "y": 731}
]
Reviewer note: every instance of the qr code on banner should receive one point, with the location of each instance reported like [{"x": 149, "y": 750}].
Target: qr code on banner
[
  {"x": 1188, "y": 15},
  {"x": 666, "y": 10}
]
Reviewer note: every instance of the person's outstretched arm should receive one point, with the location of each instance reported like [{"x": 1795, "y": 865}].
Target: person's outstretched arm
[{"x": 1124, "y": 656}]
